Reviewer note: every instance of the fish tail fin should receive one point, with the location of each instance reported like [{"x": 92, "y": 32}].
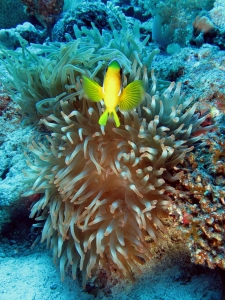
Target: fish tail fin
[
  {"x": 116, "y": 118},
  {"x": 104, "y": 117}
]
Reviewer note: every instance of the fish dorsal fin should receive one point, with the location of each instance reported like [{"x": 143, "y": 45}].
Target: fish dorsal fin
[
  {"x": 121, "y": 88},
  {"x": 103, "y": 87},
  {"x": 121, "y": 84},
  {"x": 115, "y": 64}
]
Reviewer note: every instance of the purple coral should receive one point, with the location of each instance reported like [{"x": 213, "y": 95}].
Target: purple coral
[{"x": 46, "y": 11}]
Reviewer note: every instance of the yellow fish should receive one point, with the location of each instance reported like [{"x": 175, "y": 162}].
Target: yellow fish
[{"x": 113, "y": 93}]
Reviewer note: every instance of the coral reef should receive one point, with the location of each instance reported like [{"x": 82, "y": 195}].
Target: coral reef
[
  {"x": 46, "y": 12},
  {"x": 177, "y": 14},
  {"x": 218, "y": 14},
  {"x": 200, "y": 70},
  {"x": 203, "y": 24},
  {"x": 162, "y": 35},
  {"x": 204, "y": 30},
  {"x": 10, "y": 38},
  {"x": 13, "y": 140},
  {"x": 204, "y": 201},
  {"x": 84, "y": 15}
]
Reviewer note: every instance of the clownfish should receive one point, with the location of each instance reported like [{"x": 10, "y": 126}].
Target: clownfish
[{"x": 113, "y": 93}]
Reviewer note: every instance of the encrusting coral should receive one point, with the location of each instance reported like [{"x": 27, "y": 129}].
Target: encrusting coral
[
  {"x": 205, "y": 202},
  {"x": 104, "y": 189}
]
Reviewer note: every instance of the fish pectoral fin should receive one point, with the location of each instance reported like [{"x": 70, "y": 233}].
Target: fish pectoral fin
[
  {"x": 92, "y": 89},
  {"x": 132, "y": 95}
]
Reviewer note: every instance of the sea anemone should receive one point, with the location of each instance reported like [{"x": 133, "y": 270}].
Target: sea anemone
[{"x": 104, "y": 189}]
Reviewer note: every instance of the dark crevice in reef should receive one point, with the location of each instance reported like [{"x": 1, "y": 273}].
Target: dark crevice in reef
[
  {"x": 17, "y": 236},
  {"x": 4, "y": 173}
]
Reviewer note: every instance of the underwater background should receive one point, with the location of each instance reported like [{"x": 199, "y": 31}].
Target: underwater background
[{"x": 134, "y": 212}]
